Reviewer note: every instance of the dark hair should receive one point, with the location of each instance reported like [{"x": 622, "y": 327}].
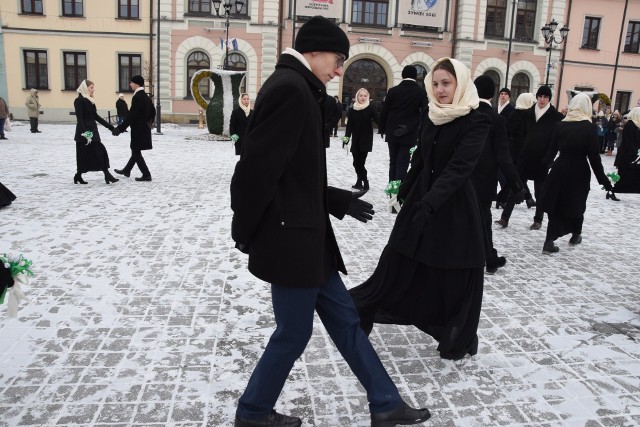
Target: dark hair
[
  {"x": 88, "y": 82},
  {"x": 447, "y": 66}
]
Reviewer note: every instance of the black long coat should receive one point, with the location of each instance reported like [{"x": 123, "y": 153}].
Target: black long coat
[
  {"x": 517, "y": 132},
  {"x": 531, "y": 164},
  {"x": 360, "y": 128},
  {"x": 629, "y": 147},
  {"x": 567, "y": 185},
  {"x": 93, "y": 156},
  {"x": 507, "y": 111},
  {"x": 140, "y": 118},
  {"x": 279, "y": 194},
  {"x": 495, "y": 155},
  {"x": 405, "y": 104},
  {"x": 122, "y": 109},
  {"x": 440, "y": 173},
  {"x": 238, "y": 126}
]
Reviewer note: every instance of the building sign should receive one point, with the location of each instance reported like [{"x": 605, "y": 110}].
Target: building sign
[
  {"x": 428, "y": 13},
  {"x": 327, "y": 8}
]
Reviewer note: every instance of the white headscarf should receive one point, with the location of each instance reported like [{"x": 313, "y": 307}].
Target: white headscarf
[
  {"x": 525, "y": 101},
  {"x": 246, "y": 109},
  {"x": 356, "y": 105},
  {"x": 634, "y": 116},
  {"x": 580, "y": 108},
  {"x": 84, "y": 91},
  {"x": 465, "y": 97}
]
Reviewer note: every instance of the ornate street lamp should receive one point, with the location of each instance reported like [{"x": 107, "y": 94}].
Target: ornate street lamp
[
  {"x": 217, "y": 5},
  {"x": 549, "y": 38}
]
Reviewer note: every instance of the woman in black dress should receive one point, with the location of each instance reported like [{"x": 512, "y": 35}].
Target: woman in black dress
[
  {"x": 239, "y": 121},
  {"x": 568, "y": 182},
  {"x": 628, "y": 156},
  {"x": 360, "y": 130},
  {"x": 6, "y": 196},
  {"x": 91, "y": 154},
  {"x": 431, "y": 273}
]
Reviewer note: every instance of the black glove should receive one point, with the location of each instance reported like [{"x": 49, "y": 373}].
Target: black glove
[
  {"x": 116, "y": 132},
  {"x": 359, "y": 209},
  {"x": 111, "y": 128},
  {"x": 422, "y": 213},
  {"x": 403, "y": 192},
  {"x": 401, "y": 130}
]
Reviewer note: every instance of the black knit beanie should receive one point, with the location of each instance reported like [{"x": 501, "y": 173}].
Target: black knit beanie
[
  {"x": 486, "y": 86},
  {"x": 544, "y": 91},
  {"x": 505, "y": 90},
  {"x": 319, "y": 34},
  {"x": 137, "y": 79},
  {"x": 410, "y": 72}
]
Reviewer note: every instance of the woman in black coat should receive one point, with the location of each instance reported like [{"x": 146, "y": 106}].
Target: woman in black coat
[
  {"x": 91, "y": 154},
  {"x": 360, "y": 130},
  {"x": 628, "y": 156},
  {"x": 431, "y": 273},
  {"x": 568, "y": 182},
  {"x": 239, "y": 121}
]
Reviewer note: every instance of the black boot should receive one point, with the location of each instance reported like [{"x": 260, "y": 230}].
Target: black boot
[
  {"x": 365, "y": 184},
  {"x": 108, "y": 178},
  {"x": 576, "y": 239},
  {"x": 358, "y": 184},
  {"x": 122, "y": 172},
  {"x": 549, "y": 247},
  {"x": 77, "y": 179}
]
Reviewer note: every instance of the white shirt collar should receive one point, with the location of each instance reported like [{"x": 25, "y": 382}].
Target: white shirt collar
[{"x": 300, "y": 57}]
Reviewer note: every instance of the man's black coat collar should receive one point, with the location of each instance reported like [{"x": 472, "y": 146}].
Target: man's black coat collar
[{"x": 290, "y": 61}]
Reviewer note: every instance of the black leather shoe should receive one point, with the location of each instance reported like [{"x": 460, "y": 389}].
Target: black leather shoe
[
  {"x": 494, "y": 264},
  {"x": 549, "y": 247},
  {"x": 143, "y": 178},
  {"x": 404, "y": 415},
  {"x": 575, "y": 239},
  {"x": 122, "y": 172},
  {"x": 274, "y": 419},
  {"x": 530, "y": 203}
]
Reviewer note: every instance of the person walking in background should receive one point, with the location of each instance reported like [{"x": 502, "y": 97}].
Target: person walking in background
[
  {"x": 564, "y": 197},
  {"x": 612, "y": 132},
  {"x": 505, "y": 107},
  {"x": 4, "y": 114},
  {"x": 431, "y": 273},
  {"x": 360, "y": 132},
  {"x": 628, "y": 156},
  {"x": 239, "y": 121},
  {"x": 33, "y": 109},
  {"x": 122, "y": 109},
  {"x": 400, "y": 117},
  {"x": 91, "y": 154},
  {"x": 337, "y": 115},
  {"x": 140, "y": 118},
  {"x": 281, "y": 205}
]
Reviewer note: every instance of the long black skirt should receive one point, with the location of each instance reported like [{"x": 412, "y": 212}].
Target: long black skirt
[
  {"x": 6, "y": 196},
  {"x": 91, "y": 157},
  {"x": 560, "y": 225},
  {"x": 629, "y": 181},
  {"x": 444, "y": 303}
]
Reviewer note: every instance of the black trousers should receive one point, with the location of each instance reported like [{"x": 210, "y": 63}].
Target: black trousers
[
  {"x": 136, "y": 158},
  {"x": 537, "y": 188},
  {"x": 359, "y": 159},
  {"x": 399, "y": 158},
  {"x": 33, "y": 121}
]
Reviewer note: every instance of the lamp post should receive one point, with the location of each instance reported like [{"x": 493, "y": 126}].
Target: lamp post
[
  {"x": 549, "y": 38},
  {"x": 227, "y": 15}
]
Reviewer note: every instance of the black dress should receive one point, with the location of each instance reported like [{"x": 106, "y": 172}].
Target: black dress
[
  {"x": 431, "y": 275},
  {"x": 92, "y": 156},
  {"x": 6, "y": 196},
  {"x": 627, "y": 154},
  {"x": 568, "y": 183}
]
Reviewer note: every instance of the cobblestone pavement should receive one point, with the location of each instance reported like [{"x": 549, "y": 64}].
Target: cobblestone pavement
[{"x": 143, "y": 314}]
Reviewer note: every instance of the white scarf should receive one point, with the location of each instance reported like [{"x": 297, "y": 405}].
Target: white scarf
[
  {"x": 634, "y": 116},
  {"x": 246, "y": 109},
  {"x": 465, "y": 97},
  {"x": 357, "y": 106},
  {"x": 84, "y": 91},
  {"x": 540, "y": 111},
  {"x": 300, "y": 57},
  {"x": 501, "y": 106},
  {"x": 525, "y": 101},
  {"x": 579, "y": 109}
]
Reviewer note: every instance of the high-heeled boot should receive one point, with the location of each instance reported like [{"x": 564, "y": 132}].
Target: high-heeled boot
[
  {"x": 611, "y": 195},
  {"x": 365, "y": 184},
  {"x": 358, "y": 184},
  {"x": 77, "y": 179},
  {"x": 108, "y": 178}
]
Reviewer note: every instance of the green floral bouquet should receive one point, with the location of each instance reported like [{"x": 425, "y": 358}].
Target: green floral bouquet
[
  {"x": 20, "y": 269},
  {"x": 89, "y": 135},
  {"x": 392, "y": 192},
  {"x": 234, "y": 137}
]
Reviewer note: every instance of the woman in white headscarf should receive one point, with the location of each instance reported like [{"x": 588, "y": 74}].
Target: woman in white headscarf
[
  {"x": 360, "y": 131},
  {"x": 628, "y": 155},
  {"x": 431, "y": 273},
  {"x": 567, "y": 185},
  {"x": 91, "y": 154},
  {"x": 239, "y": 121}
]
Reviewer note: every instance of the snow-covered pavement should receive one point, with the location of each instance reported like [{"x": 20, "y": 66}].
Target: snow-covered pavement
[{"x": 143, "y": 313}]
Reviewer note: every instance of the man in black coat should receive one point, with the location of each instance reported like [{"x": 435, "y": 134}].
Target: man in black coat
[
  {"x": 140, "y": 118},
  {"x": 122, "y": 109},
  {"x": 540, "y": 123},
  {"x": 400, "y": 118},
  {"x": 281, "y": 205},
  {"x": 504, "y": 108},
  {"x": 495, "y": 156}
]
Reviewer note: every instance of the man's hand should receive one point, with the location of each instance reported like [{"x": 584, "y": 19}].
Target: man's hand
[
  {"x": 116, "y": 132},
  {"x": 401, "y": 130},
  {"x": 359, "y": 209},
  {"x": 518, "y": 194}
]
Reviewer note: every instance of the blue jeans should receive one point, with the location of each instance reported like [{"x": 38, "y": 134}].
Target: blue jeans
[
  {"x": 293, "y": 309},
  {"x": 2, "y": 127}
]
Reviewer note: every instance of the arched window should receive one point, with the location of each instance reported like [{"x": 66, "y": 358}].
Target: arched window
[
  {"x": 496, "y": 81},
  {"x": 422, "y": 73},
  {"x": 520, "y": 84},
  {"x": 198, "y": 61},
  {"x": 236, "y": 62}
]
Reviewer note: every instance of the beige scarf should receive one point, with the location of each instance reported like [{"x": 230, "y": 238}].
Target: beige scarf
[
  {"x": 84, "y": 91},
  {"x": 540, "y": 111},
  {"x": 579, "y": 109},
  {"x": 465, "y": 97},
  {"x": 634, "y": 116},
  {"x": 356, "y": 105},
  {"x": 246, "y": 109},
  {"x": 525, "y": 101}
]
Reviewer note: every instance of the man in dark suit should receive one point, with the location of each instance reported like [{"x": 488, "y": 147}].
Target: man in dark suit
[
  {"x": 495, "y": 156},
  {"x": 281, "y": 205},
  {"x": 140, "y": 118},
  {"x": 400, "y": 118}
]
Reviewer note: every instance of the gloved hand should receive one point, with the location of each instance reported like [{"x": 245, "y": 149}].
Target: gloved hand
[
  {"x": 359, "y": 209},
  {"x": 403, "y": 192},
  {"x": 518, "y": 196},
  {"x": 401, "y": 130},
  {"x": 422, "y": 213},
  {"x": 116, "y": 132}
]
